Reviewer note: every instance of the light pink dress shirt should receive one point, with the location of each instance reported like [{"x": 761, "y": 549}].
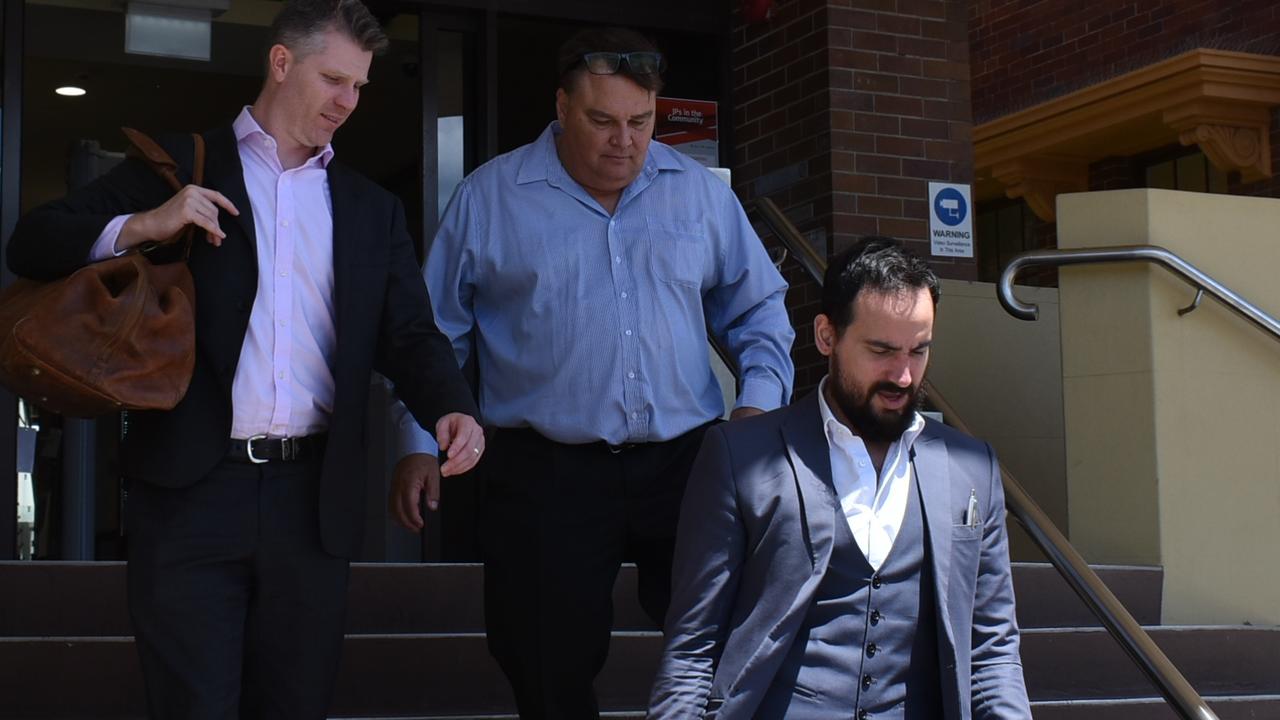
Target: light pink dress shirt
[{"x": 284, "y": 382}]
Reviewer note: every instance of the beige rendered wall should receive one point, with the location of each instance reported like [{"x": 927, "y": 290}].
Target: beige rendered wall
[
  {"x": 1173, "y": 423},
  {"x": 1003, "y": 376}
]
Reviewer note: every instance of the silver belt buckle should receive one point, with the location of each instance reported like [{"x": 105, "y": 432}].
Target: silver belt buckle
[{"x": 248, "y": 449}]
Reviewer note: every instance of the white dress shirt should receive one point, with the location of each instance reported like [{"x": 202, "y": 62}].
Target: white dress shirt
[
  {"x": 283, "y": 384},
  {"x": 873, "y": 507}
]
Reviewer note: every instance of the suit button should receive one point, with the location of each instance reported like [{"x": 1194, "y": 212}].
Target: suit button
[
  {"x": 866, "y": 683},
  {"x": 872, "y": 649},
  {"x": 862, "y": 715},
  {"x": 875, "y": 581},
  {"x": 875, "y": 616}
]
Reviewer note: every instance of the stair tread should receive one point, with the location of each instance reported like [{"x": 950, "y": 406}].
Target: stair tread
[
  {"x": 442, "y": 597},
  {"x": 1153, "y": 699}
]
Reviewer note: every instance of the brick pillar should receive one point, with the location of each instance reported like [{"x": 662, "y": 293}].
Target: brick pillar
[{"x": 843, "y": 114}]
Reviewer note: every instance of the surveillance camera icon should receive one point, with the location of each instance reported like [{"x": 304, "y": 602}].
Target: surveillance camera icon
[{"x": 951, "y": 206}]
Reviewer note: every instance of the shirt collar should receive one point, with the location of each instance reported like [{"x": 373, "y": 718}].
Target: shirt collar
[
  {"x": 247, "y": 129},
  {"x": 833, "y": 427}
]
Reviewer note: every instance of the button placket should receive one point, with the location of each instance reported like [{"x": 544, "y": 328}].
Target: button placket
[
  {"x": 282, "y": 305},
  {"x": 629, "y": 317}
]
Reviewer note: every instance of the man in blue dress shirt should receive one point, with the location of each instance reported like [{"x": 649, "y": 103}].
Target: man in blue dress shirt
[{"x": 583, "y": 271}]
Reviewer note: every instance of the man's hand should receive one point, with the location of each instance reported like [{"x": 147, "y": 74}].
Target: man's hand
[
  {"x": 414, "y": 475},
  {"x": 192, "y": 205},
  {"x": 463, "y": 439},
  {"x": 419, "y": 473},
  {"x": 744, "y": 411}
]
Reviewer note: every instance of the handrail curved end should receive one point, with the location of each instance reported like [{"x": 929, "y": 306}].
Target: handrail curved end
[{"x": 1009, "y": 301}]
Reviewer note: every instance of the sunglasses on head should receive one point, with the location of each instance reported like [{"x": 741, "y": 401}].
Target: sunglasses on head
[{"x": 607, "y": 63}]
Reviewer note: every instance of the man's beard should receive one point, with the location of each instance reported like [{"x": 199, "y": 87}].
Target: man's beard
[{"x": 886, "y": 426}]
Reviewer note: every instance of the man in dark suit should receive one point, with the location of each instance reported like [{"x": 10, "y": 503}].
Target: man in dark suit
[
  {"x": 246, "y": 500},
  {"x": 844, "y": 556}
]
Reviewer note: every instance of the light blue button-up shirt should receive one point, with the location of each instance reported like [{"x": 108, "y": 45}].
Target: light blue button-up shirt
[{"x": 593, "y": 327}]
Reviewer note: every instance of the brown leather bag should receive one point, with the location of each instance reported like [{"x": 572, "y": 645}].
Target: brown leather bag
[{"x": 114, "y": 335}]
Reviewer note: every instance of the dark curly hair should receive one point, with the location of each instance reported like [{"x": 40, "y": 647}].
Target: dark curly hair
[{"x": 878, "y": 264}]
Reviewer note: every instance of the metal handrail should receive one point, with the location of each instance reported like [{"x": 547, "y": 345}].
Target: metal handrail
[
  {"x": 1095, "y": 594},
  {"x": 1131, "y": 253}
]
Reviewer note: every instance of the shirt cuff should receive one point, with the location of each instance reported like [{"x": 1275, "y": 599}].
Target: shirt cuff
[
  {"x": 104, "y": 248},
  {"x": 761, "y": 393},
  {"x": 413, "y": 439}
]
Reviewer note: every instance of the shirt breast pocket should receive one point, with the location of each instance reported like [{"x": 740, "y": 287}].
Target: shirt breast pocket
[{"x": 679, "y": 254}]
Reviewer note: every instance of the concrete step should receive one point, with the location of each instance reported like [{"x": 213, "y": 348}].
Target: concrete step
[
  {"x": 452, "y": 674},
  {"x": 1087, "y": 663},
  {"x": 52, "y": 599},
  {"x": 1045, "y": 599},
  {"x": 381, "y": 675},
  {"x": 608, "y": 715},
  {"x": 1227, "y": 708},
  {"x": 1247, "y": 707}
]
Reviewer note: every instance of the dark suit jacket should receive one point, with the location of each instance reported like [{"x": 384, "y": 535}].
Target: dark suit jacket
[
  {"x": 383, "y": 321},
  {"x": 756, "y": 533}
]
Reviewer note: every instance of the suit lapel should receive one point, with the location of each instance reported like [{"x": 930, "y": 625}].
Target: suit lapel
[
  {"x": 933, "y": 478},
  {"x": 344, "y": 198},
  {"x": 226, "y": 277},
  {"x": 810, "y": 458},
  {"x": 224, "y": 173}
]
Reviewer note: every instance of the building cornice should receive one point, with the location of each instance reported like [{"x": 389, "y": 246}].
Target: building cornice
[{"x": 1219, "y": 100}]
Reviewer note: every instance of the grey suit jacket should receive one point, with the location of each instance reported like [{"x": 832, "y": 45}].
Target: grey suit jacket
[{"x": 755, "y": 536}]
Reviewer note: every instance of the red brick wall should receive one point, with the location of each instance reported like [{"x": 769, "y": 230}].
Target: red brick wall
[
  {"x": 844, "y": 111},
  {"x": 782, "y": 133},
  {"x": 1024, "y": 52}
]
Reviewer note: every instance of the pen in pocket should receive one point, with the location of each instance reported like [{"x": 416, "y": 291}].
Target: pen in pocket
[{"x": 971, "y": 513}]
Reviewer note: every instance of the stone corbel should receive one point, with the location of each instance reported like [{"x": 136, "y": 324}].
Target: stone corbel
[
  {"x": 1232, "y": 134},
  {"x": 1039, "y": 181}
]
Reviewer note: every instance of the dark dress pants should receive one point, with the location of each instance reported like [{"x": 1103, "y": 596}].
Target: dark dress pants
[
  {"x": 557, "y": 522},
  {"x": 237, "y": 610}
]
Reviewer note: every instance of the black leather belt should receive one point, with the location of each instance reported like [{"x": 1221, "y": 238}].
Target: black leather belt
[
  {"x": 260, "y": 448},
  {"x": 531, "y": 434}
]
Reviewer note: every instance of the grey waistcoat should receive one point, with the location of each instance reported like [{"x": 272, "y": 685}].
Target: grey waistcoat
[{"x": 868, "y": 645}]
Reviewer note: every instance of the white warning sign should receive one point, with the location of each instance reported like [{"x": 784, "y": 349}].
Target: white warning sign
[{"x": 950, "y": 220}]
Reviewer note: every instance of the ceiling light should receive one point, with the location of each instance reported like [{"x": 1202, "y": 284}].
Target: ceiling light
[{"x": 70, "y": 91}]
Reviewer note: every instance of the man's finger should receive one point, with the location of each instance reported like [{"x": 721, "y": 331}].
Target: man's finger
[
  {"x": 462, "y": 454},
  {"x": 221, "y": 200},
  {"x": 207, "y": 218},
  {"x": 412, "y": 492},
  {"x": 474, "y": 449},
  {"x": 209, "y": 226},
  {"x": 433, "y": 491},
  {"x": 460, "y": 437},
  {"x": 444, "y": 431},
  {"x": 404, "y": 497}
]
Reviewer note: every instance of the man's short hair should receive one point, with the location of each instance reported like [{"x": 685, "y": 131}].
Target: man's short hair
[
  {"x": 609, "y": 39},
  {"x": 876, "y": 264},
  {"x": 300, "y": 23}
]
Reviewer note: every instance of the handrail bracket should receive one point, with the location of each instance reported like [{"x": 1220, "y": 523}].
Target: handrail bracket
[{"x": 1194, "y": 303}]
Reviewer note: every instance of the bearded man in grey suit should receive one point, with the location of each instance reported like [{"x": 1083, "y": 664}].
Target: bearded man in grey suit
[{"x": 844, "y": 556}]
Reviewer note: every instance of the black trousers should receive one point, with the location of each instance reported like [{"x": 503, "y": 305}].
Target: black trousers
[
  {"x": 557, "y": 521},
  {"x": 237, "y": 611}
]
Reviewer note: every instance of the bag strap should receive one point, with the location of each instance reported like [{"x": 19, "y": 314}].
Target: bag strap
[{"x": 150, "y": 152}]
